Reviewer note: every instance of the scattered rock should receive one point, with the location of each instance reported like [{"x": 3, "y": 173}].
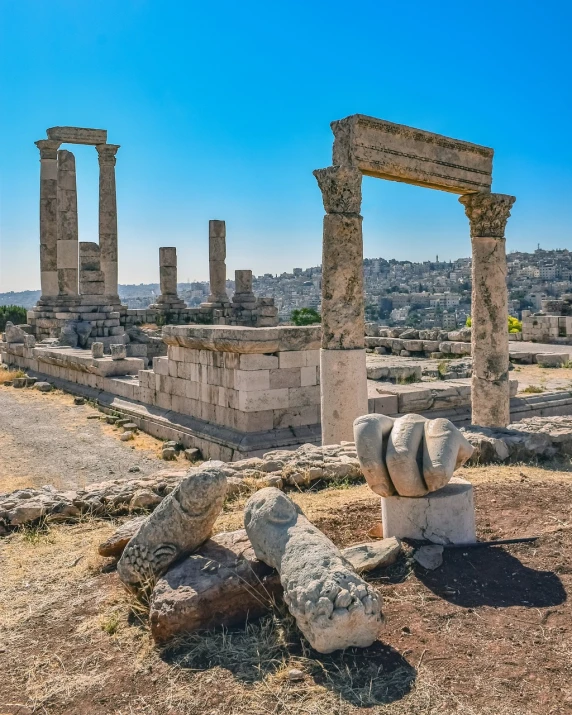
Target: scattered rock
[
  {"x": 220, "y": 584},
  {"x": 373, "y": 554},
  {"x": 193, "y": 454},
  {"x": 430, "y": 557},
  {"x": 120, "y": 538},
  {"x": 126, "y": 436},
  {"x": 19, "y": 382},
  {"x": 169, "y": 453},
  {"x": 79, "y": 400},
  {"x": 144, "y": 499},
  {"x": 295, "y": 675},
  {"x": 134, "y": 468},
  {"x": 43, "y": 386}
]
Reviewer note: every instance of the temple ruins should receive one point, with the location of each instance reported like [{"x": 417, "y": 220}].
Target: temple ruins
[{"x": 373, "y": 147}]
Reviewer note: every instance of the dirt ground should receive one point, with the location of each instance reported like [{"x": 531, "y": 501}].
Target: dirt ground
[
  {"x": 489, "y": 633},
  {"x": 61, "y": 445},
  {"x": 533, "y": 378}
]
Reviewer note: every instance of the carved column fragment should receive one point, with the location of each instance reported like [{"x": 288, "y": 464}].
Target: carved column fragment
[
  {"x": 108, "y": 216},
  {"x": 490, "y": 398},
  {"x": 217, "y": 262},
  {"x": 342, "y": 357},
  {"x": 67, "y": 249},
  {"x": 48, "y": 215}
]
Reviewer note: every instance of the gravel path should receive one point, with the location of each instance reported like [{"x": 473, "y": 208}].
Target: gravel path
[{"x": 46, "y": 439}]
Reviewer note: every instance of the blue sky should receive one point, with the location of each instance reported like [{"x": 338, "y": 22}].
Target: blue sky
[{"x": 222, "y": 111}]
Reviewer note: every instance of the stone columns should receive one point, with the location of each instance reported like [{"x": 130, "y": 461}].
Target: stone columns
[
  {"x": 67, "y": 247},
  {"x": 490, "y": 399},
  {"x": 217, "y": 263},
  {"x": 342, "y": 357},
  {"x": 48, "y": 215},
  {"x": 108, "y": 216}
]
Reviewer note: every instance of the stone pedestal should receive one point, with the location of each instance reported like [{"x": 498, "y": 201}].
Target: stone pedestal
[
  {"x": 446, "y": 516},
  {"x": 243, "y": 295},
  {"x": 343, "y": 374},
  {"x": 108, "y": 216},
  {"x": 490, "y": 398},
  {"x": 48, "y": 215}
]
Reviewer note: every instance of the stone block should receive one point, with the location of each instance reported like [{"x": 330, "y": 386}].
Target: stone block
[
  {"x": 252, "y": 380},
  {"x": 296, "y": 416},
  {"x": 552, "y": 359},
  {"x": 77, "y": 135},
  {"x": 308, "y": 376},
  {"x": 221, "y": 584},
  {"x": 260, "y": 421},
  {"x": 286, "y": 377},
  {"x": 97, "y": 350},
  {"x": 118, "y": 352},
  {"x": 302, "y": 396},
  {"x": 262, "y": 400},
  {"x": 257, "y": 362},
  {"x": 446, "y": 516},
  {"x": 384, "y": 404}
]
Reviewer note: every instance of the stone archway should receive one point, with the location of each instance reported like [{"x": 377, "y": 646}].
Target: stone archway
[{"x": 374, "y": 147}]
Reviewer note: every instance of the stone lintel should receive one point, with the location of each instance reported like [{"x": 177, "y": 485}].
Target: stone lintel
[
  {"x": 237, "y": 339},
  {"x": 399, "y": 153},
  {"x": 77, "y": 135}
]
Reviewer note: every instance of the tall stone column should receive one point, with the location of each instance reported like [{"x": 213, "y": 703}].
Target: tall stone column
[
  {"x": 490, "y": 398},
  {"x": 48, "y": 215},
  {"x": 342, "y": 357},
  {"x": 108, "y": 216},
  {"x": 217, "y": 263},
  {"x": 168, "y": 273},
  {"x": 68, "y": 249}
]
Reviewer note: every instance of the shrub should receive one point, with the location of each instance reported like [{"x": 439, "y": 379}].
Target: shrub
[
  {"x": 514, "y": 324},
  {"x": 13, "y": 313},
  {"x": 305, "y": 316}
]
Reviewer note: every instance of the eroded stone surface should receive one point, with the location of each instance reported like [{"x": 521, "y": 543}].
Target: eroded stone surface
[
  {"x": 179, "y": 524},
  {"x": 333, "y": 607},
  {"x": 410, "y": 455}
]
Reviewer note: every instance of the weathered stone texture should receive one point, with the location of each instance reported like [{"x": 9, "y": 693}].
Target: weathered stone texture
[
  {"x": 392, "y": 151},
  {"x": 77, "y": 135},
  {"x": 333, "y": 607}
]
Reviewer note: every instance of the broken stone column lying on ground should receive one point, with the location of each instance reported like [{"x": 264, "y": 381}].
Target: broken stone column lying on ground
[
  {"x": 333, "y": 607},
  {"x": 410, "y": 462},
  {"x": 182, "y": 521}
]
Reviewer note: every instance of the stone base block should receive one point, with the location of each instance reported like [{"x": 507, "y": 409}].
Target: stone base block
[
  {"x": 344, "y": 393},
  {"x": 446, "y": 516}
]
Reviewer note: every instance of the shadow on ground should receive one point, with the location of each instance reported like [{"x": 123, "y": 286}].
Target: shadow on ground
[
  {"x": 491, "y": 577},
  {"x": 361, "y": 676}
]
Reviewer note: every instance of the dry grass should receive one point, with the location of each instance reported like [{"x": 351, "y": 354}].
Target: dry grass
[
  {"x": 9, "y": 375},
  {"x": 72, "y": 641}
]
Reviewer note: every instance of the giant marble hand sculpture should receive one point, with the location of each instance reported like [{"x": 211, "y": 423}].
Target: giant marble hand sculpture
[{"x": 409, "y": 456}]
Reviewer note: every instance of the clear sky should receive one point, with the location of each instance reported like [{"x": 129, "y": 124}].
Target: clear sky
[{"x": 222, "y": 110}]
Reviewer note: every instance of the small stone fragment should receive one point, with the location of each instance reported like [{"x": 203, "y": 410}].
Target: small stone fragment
[
  {"x": 43, "y": 386},
  {"x": 169, "y": 453},
  {"x": 193, "y": 454},
  {"x": 295, "y": 675},
  {"x": 79, "y": 400},
  {"x": 126, "y": 436},
  {"x": 430, "y": 557},
  {"x": 144, "y": 499},
  {"x": 373, "y": 555}
]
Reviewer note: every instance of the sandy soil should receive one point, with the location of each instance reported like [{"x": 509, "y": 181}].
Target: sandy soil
[
  {"x": 542, "y": 379},
  {"x": 486, "y": 634},
  {"x": 46, "y": 439}
]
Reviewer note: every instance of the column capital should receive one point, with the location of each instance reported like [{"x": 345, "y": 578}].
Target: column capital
[
  {"x": 107, "y": 153},
  {"x": 48, "y": 148},
  {"x": 341, "y": 189},
  {"x": 487, "y": 213}
]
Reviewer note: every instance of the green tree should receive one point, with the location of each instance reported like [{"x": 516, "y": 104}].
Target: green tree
[
  {"x": 13, "y": 313},
  {"x": 305, "y": 316}
]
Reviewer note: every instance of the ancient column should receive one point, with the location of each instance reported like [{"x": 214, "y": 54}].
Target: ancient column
[
  {"x": 342, "y": 357},
  {"x": 243, "y": 293},
  {"x": 68, "y": 250},
  {"x": 168, "y": 273},
  {"x": 490, "y": 399},
  {"x": 91, "y": 278},
  {"x": 217, "y": 263},
  {"x": 108, "y": 216},
  {"x": 48, "y": 215}
]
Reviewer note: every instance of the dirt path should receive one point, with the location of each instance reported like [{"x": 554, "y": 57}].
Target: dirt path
[{"x": 46, "y": 439}]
